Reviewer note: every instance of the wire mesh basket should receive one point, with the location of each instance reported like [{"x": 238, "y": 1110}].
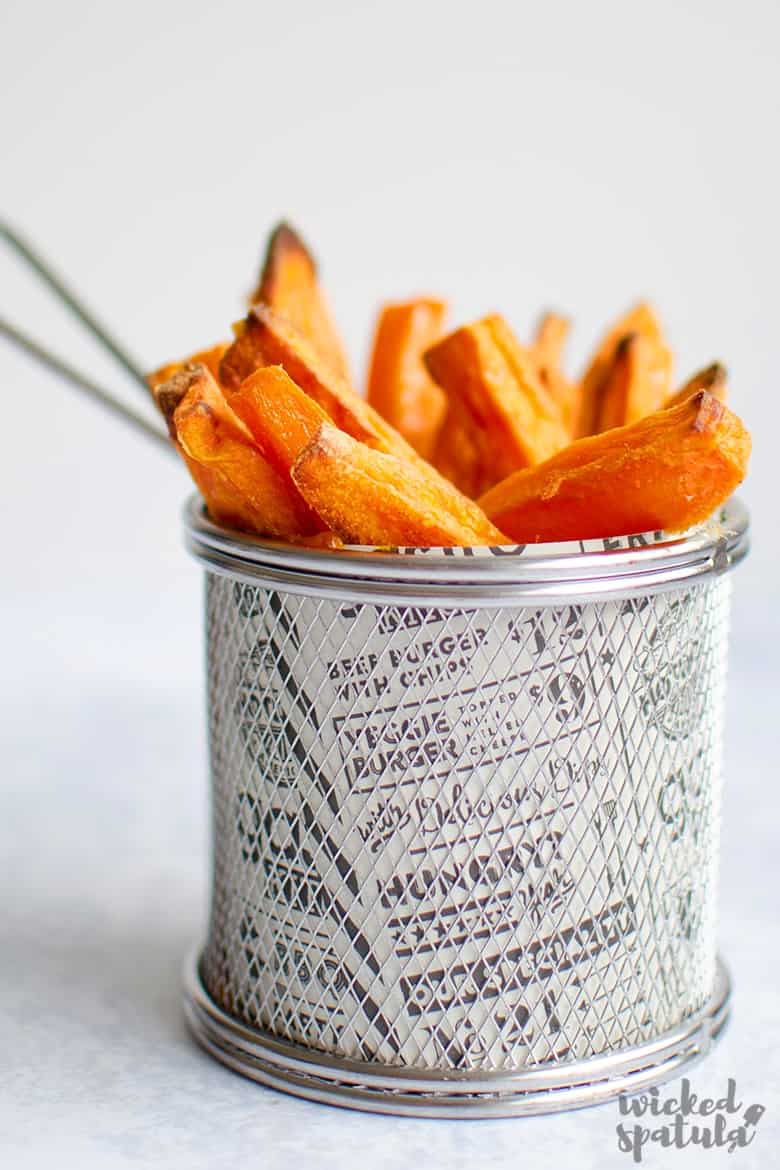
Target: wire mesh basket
[{"x": 465, "y": 817}]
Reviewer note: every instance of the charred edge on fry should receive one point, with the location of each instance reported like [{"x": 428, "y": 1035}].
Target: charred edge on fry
[
  {"x": 714, "y": 376},
  {"x": 169, "y": 394},
  {"x": 626, "y": 343},
  {"x": 284, "y": 239}
]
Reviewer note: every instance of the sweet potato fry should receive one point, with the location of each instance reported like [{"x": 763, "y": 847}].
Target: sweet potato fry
[
  {"x": 550, "y": 338},
  {"x": 668, "y": 471},
  {"x": 549, "y": 341},
  {"x": 514, "y": 420},
  {"x": 460, "y": 448},
  {"x": 224, "y": 504},
  {"x": 210, "y": 358},
  {"x": 214, "y": 438},
  {"x": 636, "y": 384},
  {"x": 640, "y": 319},
  {"x": 288, "y": 283},
  {"x": 399, "y": 385},
  {"x": 367, "y": 497},
  {"x": 266, "y": 339},
  {"x": 222, "y": 500},
  {"x": 280, "y": 417},
  {"x": 714, "y": 379},
  {"x": 169, "y": 394}
]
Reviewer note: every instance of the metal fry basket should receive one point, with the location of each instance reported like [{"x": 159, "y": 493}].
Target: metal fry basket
[{"x": 465, "y": 818}]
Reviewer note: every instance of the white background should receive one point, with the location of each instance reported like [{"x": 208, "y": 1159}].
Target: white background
[{"x": 509, "y": 156}]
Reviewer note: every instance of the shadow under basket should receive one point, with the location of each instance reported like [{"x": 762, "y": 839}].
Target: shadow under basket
[{"x": 465, "y": 818}]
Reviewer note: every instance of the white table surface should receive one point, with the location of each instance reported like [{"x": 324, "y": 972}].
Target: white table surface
[{"x": 103, "y": 848}]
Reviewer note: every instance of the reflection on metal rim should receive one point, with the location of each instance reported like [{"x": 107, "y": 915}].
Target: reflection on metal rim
[{"x": 377, "y": 1089}]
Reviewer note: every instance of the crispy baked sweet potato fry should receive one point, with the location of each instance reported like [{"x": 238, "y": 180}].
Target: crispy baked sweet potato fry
[
  {"x": 550, "y": 338},
  {"x": 549, "y": 341},
  {"x": 265, "y": 339},
  {"x": 714, "y": 379},
  {"x": 460, "y": 449},
  {"x": 399, "y": 386},
  {"x": 636, "y": 384},
  {"x": 280, "y": 417},
  {"x": 368, "y": 497},
  {"x": 272, "y": 509},
  {"x": 668, "y": 471},
  {"x": 210, "y": 358},
  {"x": 289, "y": 284},
  {"x": 224, "y": 503},
  {"x": 213, "y": 437},
  {"x": 494, "y": 382},
  {"x": 640, "y": 319}
]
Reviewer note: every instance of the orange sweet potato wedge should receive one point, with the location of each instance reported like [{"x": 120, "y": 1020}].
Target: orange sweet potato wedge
[
  {"x": 668, "y": 471},
  {"x": 713, "y": 378},
  {"x": 550, "y": 339},
  {"x": 547, "y": 348},
  {"x": 265, "y": 339},
  {"x": 636, "y": 384},
  {"x": 459, "y": 453},
  {"x": 399, "y": 386},
  {"x": 213, "y": 437},
  {"x": 224, "y": 503},
  {"x": 289, "y": 284},
  {"x": 514, "y": 421},
  {"x": 367, "y": 497},
  {"x": 280, "y": 417},
  {"x": 640, "y": 319},
  {"x": 210, "y": 358}
]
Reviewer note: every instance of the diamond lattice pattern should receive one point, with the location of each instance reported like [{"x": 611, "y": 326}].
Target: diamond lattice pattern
[{"x": 464, "y": 839}]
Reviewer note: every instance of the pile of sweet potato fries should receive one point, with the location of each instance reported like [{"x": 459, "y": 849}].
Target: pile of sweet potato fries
[{"x": 464, "y": 438}]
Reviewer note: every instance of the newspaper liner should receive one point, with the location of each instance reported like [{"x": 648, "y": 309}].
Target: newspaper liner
[{"x": 465, "y": 838}]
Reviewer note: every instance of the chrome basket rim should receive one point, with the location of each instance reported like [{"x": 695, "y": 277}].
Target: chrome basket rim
[
  {"x": 538, "y": 1089},
  {"x": 541, "y": 574}
]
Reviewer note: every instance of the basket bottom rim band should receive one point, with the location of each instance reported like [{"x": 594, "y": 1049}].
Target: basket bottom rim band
[{"x": 376, "y": 1088}]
